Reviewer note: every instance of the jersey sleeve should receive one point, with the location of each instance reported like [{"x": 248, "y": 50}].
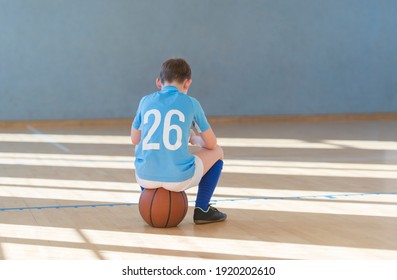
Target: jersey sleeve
[
  {"x": 200, "y": 121},
  {"x": 138, "y": 116}
]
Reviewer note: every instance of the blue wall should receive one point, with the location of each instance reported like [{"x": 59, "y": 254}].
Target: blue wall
[{"x": 87, "y": 59}]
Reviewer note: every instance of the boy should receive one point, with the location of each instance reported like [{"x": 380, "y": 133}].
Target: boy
[{"x": 161, "y": 132}]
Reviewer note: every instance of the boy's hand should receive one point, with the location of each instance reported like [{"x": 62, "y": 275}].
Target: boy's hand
[{"x": 197, "y": 140}]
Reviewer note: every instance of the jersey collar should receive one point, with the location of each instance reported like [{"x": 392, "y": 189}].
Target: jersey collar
[{"x": 169, "y": 89}]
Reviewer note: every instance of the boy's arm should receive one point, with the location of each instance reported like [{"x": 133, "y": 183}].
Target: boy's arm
[
  {"x": 209, "y": 139},
  {"x": 203, "y": 127},
  {"x": 135, "y": 136},
  {"x": 136, "y": 125}
]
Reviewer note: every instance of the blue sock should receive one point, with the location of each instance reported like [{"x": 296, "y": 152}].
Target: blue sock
[{"x": 207, "y": 185}]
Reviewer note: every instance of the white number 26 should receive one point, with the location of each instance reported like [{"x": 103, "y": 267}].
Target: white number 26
[{"x": 168, "y": 127}]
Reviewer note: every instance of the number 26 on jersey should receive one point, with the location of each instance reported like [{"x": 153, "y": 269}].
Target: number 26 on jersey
[{"x": 168, "y": 127}]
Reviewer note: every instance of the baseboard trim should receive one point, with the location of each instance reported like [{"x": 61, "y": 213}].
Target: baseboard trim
[{"x": 222, "y": 119}]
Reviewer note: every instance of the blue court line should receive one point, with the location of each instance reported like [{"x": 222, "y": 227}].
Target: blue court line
[
  {"x": 330, "y": 196},
  {"x": 333, "y": 196},
  {"x": 67, "y": 206}
]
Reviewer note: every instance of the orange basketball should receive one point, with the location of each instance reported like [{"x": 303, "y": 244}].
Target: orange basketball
[{"x": 163, "y": 208}]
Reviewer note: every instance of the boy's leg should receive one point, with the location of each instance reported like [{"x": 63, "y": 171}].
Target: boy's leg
[
  {"x": 209, "y": 157},
  {"x": 212, "y": 162},
  {"x": 207, "y": 185}
]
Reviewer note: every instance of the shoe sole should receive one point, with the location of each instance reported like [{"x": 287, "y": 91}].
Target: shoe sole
[{"x": 202, "y": 222}]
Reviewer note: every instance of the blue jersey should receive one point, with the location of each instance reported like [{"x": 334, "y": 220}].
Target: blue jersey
[{"x": 165, "y": 118}]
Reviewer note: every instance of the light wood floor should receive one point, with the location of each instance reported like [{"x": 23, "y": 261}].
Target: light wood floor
[{"x": 292, "y": 190}]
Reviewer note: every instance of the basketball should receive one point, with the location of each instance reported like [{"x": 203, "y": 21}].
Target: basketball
[{"x": 163, "y": 208}]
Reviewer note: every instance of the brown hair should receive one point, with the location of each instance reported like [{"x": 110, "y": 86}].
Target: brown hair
[{"x": 175, "y": 69}]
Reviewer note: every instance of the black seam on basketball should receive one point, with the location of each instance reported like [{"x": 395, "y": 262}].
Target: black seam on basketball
[
  {"x": 169, "y": 209},
  {"x": 151, "y": 204}
]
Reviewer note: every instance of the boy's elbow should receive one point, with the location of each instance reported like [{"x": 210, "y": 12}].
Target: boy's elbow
[
  {"x": 135, "y": 140},
  {"x": 212, "y": 145},
  {"x": 135, "y": 136}
]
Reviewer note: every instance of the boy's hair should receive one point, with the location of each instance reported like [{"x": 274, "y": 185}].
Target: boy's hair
[{"x": 175, "y": 69}]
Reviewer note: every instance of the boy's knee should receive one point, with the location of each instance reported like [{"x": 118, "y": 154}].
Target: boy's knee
[{"x": 220, "y": 151}]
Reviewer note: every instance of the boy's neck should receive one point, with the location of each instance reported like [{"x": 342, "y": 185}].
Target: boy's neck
[
  {"x": 179, "y": 86},
  {"x": 175, "y": 84}
]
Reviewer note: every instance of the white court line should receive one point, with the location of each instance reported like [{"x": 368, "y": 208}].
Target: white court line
[
  {"x": 324, "y": 169},
  {"x": 221, "y": 190},
  {"x": 209, "y": 245},
  {"x": 14, "y": 251},
  {"x": 223, "y": 141},
  {"x": 47, "y": 139},
  {"x": 75, "y": 190},
  {"x": 328, "y": 207},
  {"x": 213, "y": 245},
  {"x": 250, "y": 163}
]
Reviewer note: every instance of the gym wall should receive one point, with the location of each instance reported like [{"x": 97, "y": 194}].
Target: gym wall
[{"x": 95, "y": 59}]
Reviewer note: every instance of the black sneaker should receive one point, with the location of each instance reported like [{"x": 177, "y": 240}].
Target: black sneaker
[{"x": 212, "y": 215}]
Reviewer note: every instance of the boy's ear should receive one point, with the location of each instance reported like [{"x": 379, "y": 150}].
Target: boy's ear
[
  {"x": 158, "y": 83},
  {"x": 187, "y": 84}
]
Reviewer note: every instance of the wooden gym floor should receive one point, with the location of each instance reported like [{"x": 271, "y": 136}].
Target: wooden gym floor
[{"x": 291, "y": 189}]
